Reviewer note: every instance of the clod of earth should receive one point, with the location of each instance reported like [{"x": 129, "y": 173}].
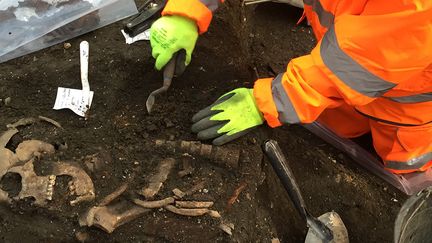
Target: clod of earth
[
  {"x": 223, "y": 156},
  {"x": 81, "y": 184},
  {"x": 156, "y": 181},
  {"x": 38, "y": 187}
]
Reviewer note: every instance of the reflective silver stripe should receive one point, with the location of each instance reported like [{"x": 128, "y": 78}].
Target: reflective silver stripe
[
  {"x": 426, "y": 97},
  {"x": 348, "y": 70},
  {"x": 326, "y": 18},
  {"x": 411, "y": 164},
  {"x": 287, "y": 113}
]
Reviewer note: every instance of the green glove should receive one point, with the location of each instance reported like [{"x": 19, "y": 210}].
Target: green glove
[
  {"x": 168, "y": 35},
  {"x": 231, "y": 116}
]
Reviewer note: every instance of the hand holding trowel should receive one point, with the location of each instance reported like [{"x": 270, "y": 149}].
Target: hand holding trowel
[{"x": 329, "y": 226}]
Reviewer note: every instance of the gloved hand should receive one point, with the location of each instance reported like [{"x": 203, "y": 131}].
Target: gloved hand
[
  {"x": 168, "y": 35},
  {"x": 231, "y": 116}
]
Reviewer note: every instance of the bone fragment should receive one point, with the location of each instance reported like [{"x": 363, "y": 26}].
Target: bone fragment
[
  {"x": 187, "y": 167},
  {"x": 224, "y": 156},
  {"x": 7, "y": 160},
  {"x": 154, "y": 204},
  {"x": 156, "y": 181},
  {"x": 108, "y": 218},
  {"x": 81, "y": 184},
  {"x": 195, "y": 188},
  {"x": 51, "y": 121},
  {"x": 178, "y": 194},
  {"x": 192, "y": 212},
  {"x": 31, "y": 120},
  {"x": 193, "y": 204},
  {"x": 22, "y": 122},
  {"x": 111, "y": 197},
  {"x": 33, "y": 148},
  {"x": 6, "y": 137},
  {"x": 227, "y": 227},
  {"x": 33, "y": 185}
]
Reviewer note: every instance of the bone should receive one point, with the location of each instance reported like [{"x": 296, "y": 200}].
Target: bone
[
  {"x": 192, "y": 212},
  {"x": 22, "y": 122},
  {"x": 31, "y": 120},
  {"x": 111, "y": 197},
  {"x": 156, "y": 181},
  {"x": 32, "y": 185},
  {"x": 109, "y": 218},
  {"x": 4, "y": 197},
  {"x": 178, "y": 194},
  {"x": 6, "y": 137},
  {"x": 224, "y": 156},
  {"x": 193, "y": 204},
  {"x": 154, "y": 204},
  {"x": 51, "y": 121},
  {"x": 81, "y": 184},
  {"x": 187, "y": 167},
  {"x": 7, "y": 160},
  {"x": 33, "y": 148}
]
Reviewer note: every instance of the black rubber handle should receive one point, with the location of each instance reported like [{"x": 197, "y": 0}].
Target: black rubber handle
[
  {"x": 286, "y": 176},
  {"x": 283, "y": 171}
]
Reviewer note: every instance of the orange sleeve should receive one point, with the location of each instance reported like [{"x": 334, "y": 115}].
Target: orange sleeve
[{"x": 198, "y": 10}]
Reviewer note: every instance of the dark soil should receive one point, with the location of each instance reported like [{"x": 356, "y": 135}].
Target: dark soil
[{"x": 241, "y": 44}]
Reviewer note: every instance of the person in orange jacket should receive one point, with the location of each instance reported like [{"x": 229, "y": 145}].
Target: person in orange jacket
[{"x": 371, "y": 71}]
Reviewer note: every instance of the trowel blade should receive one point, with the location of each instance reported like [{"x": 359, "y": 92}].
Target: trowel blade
[
  {"x": 150, "y": 102},
  {"x": 334, "y": 222}
]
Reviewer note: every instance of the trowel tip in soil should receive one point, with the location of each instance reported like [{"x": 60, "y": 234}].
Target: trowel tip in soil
[
  {"x": 149, "y": 103},
  {"x": 334, "y": 222}
]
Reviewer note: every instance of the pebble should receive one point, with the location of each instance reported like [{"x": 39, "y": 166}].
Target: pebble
[
  {"x": 67, "y": 45},
  {"x": 7, "y": 101}
]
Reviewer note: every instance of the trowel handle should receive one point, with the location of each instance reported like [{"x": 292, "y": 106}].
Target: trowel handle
[
  {"x": 84, "y": 61},
  {"x": 284, "y": 172},
  {"x": 169, "y": 69}
]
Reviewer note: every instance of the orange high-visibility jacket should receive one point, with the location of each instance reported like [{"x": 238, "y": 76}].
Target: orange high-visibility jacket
[{"x": 374, "y": 55}]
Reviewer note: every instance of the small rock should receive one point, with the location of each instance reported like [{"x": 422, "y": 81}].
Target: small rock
[
  {"x": 82, "y": 236},
  {"x": 338, "y": 178},
  {"x": 275, "y": 240},
  {"x": 7, "y": 101},
  {"x": 67, "y": 45},
  {"x": 205, "y": 190}
]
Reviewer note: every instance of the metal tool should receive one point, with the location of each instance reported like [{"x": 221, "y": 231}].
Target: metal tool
[
  {"x": 149, "y": 12},
  {"x": 175, "y": 67},
  {"x": 168, "y": 75},
  {"x": 286, "y": 176}
]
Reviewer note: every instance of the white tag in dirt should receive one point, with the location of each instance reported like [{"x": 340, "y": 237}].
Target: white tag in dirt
[
  {"x": 79, "y": 101},
  {"x": 74, "y": 99},
  {"x": 143, "y": 36}
]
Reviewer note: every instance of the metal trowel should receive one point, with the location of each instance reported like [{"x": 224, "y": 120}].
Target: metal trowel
[
  {"x": 329, "y": 226},
  {"x": 174, "y": 67}
]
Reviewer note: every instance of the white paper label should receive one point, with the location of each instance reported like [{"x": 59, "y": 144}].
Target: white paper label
[
  {"x": 143, "y": 36},
  {"x": 77, "y": 100}
]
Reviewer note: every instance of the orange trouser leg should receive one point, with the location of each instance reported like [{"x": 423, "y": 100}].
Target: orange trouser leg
[
  {"x": 345, "y": 121},
  {"x": 403, "y": 149}
]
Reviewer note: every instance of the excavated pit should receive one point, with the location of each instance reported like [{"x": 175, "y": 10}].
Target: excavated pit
[{"x": 243, "y": 43}]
